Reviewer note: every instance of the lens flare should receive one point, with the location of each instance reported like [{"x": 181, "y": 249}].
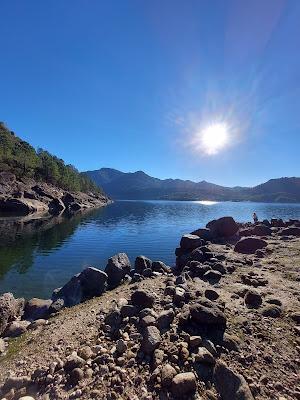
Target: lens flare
[{"x": 214, "y": 138}]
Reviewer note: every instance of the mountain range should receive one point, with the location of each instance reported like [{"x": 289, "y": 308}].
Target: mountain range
[{"x": 140, "y": 186}]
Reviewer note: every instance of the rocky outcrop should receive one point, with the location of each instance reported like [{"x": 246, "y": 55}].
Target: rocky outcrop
[{"x": 24, "y": 197}]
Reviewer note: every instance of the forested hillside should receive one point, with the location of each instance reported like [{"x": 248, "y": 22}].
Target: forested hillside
[{"x": 20, "y": 158}]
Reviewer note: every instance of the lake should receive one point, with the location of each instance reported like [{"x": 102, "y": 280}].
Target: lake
[{"x": 39, "y": 255}]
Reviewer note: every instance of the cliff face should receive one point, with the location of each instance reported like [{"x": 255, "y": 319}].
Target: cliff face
[
  {"x": 26, "y": 196},
  {"x": 138, "y": 185}
]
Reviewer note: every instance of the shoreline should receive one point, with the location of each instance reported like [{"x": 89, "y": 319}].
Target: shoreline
[{"x": 238, "y": 268}]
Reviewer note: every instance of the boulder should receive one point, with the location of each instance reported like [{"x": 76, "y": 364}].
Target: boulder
[
  {"x": 142, "y": 299},
  {"x": 203, "y": 233},
  {"x": 70, "y": 293},
  {"x": 16, "y": 328},
  {"x": 93, "y": 282},
  {"x": 151, "y": 339},
  {"x": 190, "y": 242},
  {"x": 141, "y": 263},
  {"x": 277, "y": 223},
  {"x": 87, "y": 284},
  {"x": 212, "y": 276},
  {"x": 249, "y": 245},
  {"x": 271, "y": 310},
  {"x": 183, "y": 384},
  {"x": 164, "y": 319},
  {"x": 36, "y": 309},
  {"x": 159, "y": 266},
  {"x": 261, "y": 230},
  {"x": 231, "y": 386},
  {"x": 117, "y": 267},
  {"x": 291, "y": 231},
  {"x": 252, "y": 298},
  {"x": 223, "y": 227},
  {"x": 9, "y": 309},
  {"x": 208, "y": 314}
]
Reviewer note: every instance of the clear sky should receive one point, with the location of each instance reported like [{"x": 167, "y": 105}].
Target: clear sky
[{"x": 129, "y": 84}]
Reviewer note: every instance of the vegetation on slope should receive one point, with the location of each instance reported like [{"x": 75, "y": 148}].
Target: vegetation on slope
[{"x": 20, "y": 158}]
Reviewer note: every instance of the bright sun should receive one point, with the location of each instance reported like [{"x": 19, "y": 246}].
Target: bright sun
[{"x": 214, "y": 138}]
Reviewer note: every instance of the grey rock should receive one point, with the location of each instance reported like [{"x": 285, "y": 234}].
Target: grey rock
[
  {"x": 142, "y": 263},
  {"x": 165, "y": 318},
  {"x": 117, "y": 267},
  {"x": 167, "y": 374},
  {"x": 223, "y": 227},
  {"x": 249, "y": 245},
  {"x": 271, "y": 310},
  {"x": 151, "y": 339},
  {"x": 252, "y": 298},
  {"x": 142, "y": 299},
  {"x": 16, "y": 328},
  {"x": 231, "y": 386}
]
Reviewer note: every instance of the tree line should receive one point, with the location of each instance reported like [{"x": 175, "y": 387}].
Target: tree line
[{"x": 20, "y": 158}]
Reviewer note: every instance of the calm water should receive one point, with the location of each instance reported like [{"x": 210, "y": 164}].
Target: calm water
[{"x": 38, "y": 256}]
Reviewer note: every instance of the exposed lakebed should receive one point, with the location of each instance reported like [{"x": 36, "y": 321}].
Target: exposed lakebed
[{"x": 38, "y": 256}]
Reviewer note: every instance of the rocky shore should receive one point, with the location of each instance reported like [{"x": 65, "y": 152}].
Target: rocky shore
[
  {"x": 28, "y": 196},
  {"x": 224, "y": 323}
]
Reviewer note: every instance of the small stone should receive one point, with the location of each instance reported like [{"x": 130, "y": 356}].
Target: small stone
[
  {"x": 121, "y": 346},
  {"x": 271, "y": 310},
  {"x": 151, "y": 339},
  {"x": 211, "y": 294},
  {"x": 204, "y": 356},
  {"x": 142, "y": 299}
]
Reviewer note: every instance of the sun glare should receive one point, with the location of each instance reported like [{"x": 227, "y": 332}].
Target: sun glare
[{"x": 214, "y": 138}]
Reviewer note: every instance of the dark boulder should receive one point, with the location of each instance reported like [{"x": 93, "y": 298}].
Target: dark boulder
[
  {"x": 203, "y": 233},
  {"x": 36, "y": 309},
  {"x": 223, "y": 227},
  {"x": 291, "y": 231},
  {"x": 89, "y": 283},
  {"x": 190, "y": 242},
  {"x": 117, "y": 267},
  {"x": 207, "y": 313},
  {"x": 142, "y": 299},
  {"x": 249, "y": 245},
  {"x": 141, "y": 263},
  {"x": 261, "y": 230},
  {"x": 159, "y": 266},
  {"x": 252, "y": 298},
  {"x": 93, "y": 282}
]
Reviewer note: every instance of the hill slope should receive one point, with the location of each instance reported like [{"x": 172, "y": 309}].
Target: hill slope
[{"x": 138, "y": 185}]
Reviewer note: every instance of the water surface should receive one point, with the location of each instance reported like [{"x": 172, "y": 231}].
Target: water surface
[{"x": 38, "y": 256}]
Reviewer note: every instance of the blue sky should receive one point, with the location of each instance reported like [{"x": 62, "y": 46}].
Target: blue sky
[{"x": 128, "y": 83}]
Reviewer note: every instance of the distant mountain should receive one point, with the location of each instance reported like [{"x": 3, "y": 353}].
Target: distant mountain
[{"x": 138, "y": 185}]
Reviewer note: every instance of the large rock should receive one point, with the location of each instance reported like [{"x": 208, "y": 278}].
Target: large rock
[
  {"x": 142, "y": 299},
  {"x": 184, "y": 384},
  {"x": 89, "y": 283},
  {"x": 231, "y": 386},
  {"x": 16, "y": 328},
  {"x": 141, "y": 263},
  {"x": 249, "y": 245},
  {"x": 93, "y": 282},
  {"x": 203, "y": 233},
  {"x": 261, "y": 230},
  {"x": 9, "y": 309},
  {"x": 151, "y": 339},
  {"x": 190, "y": 242},
  {"x": 223, "y": 227},
  {"x": 117, "y": 267},
  {"x": 291, "y": 231},
  {"x": 36, "y": 309},
  {"x": 208, "y": 315}
]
